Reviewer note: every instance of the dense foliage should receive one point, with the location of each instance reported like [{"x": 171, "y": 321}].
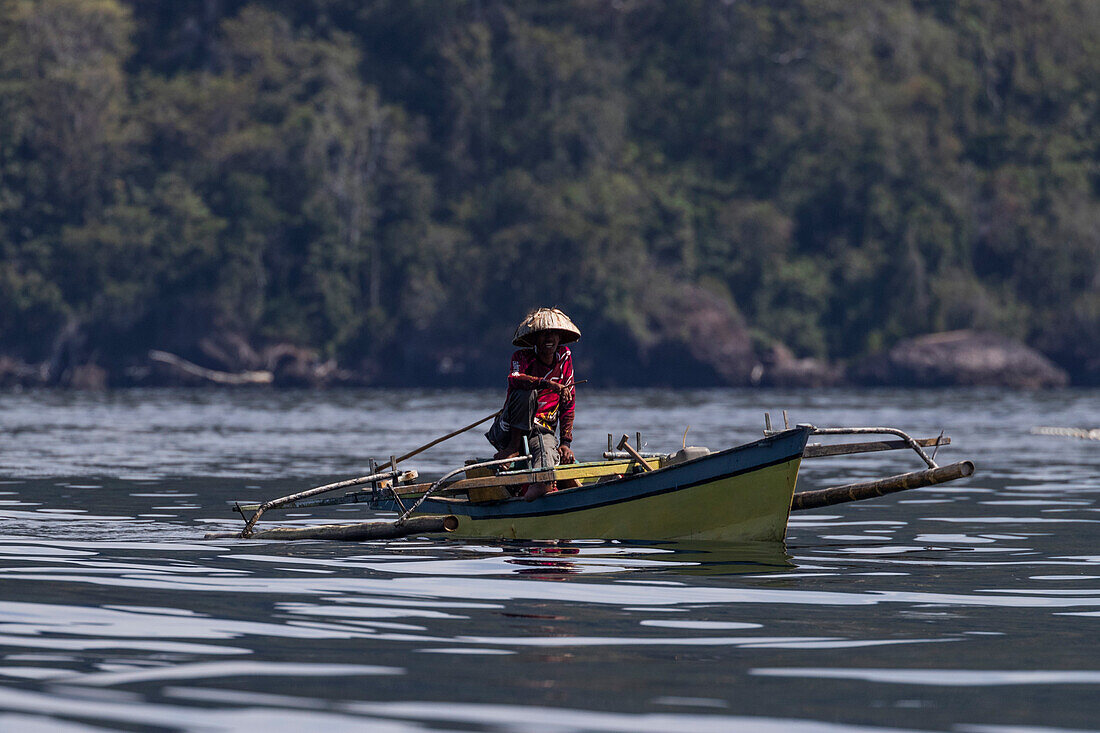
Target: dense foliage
[{"x": 394, "y": 182}]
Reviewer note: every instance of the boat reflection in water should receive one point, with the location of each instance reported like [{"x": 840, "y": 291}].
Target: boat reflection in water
[{"x": 546, "y": 560}]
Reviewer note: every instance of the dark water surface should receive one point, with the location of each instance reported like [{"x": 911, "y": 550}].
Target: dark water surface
[{"x": 968, "y": 607}]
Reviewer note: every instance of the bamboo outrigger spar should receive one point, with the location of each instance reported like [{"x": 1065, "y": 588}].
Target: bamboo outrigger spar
[{"x": 744, "y": 492}]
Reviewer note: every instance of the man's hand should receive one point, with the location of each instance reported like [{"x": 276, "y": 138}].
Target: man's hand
[
  {"x": 566, "y": 454},
  {"x": 561, "y": 389}
]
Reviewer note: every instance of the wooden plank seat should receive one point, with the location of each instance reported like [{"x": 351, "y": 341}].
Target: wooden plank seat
[{"x": 583, "y": 472}]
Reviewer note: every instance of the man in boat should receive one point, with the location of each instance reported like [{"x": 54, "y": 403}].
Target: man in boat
[{"x": 540, "y": 398}]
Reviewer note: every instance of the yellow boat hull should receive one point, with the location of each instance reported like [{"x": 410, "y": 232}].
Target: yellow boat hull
[{"x": 752, "y": 506}]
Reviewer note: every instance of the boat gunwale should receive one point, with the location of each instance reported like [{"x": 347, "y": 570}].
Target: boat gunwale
[{"x": 543, "y": 506}]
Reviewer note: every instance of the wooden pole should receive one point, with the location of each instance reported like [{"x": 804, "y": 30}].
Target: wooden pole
[
  {"x": 250, "y": 523},
  {"x": 843, "y": 449},
  {"x": 881, "y": 487},
  {"x": 350, "y": 532},
  {"x": 390, "y": 463},
  {"x": 624, "y": 444},
  {"x": 448, "y": 436}
]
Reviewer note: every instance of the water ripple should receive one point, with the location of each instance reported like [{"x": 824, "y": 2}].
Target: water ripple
[{"x": 968, "y": 607}]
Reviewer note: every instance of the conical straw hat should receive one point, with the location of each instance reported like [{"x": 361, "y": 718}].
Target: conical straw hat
[{"x": 545, "y": 319}]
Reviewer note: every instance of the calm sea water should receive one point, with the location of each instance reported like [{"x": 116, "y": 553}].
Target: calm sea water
[{"x": 972, "y": 607}]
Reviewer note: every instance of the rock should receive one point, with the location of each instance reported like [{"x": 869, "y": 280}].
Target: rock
[
  {"x": 779, "y": 367},
  {"x": 698, "y": 339},
  {"x": 294, "y": 366},
  {"x": 18, "y": 373},
  {"x": 230, "y": 352},
  {"x": 85, "y": 376},
  {"x": 960, "y": 358}
]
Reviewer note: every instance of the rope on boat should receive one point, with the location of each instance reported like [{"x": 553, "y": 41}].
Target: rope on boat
[{"x": 447, "y": 476}]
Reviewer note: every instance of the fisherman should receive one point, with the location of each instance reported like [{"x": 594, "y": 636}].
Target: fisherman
[{"x": 540, "y": 398}]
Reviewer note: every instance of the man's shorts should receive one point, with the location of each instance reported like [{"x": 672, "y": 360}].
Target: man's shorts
[
  {"x": 519, "y": 414},
  {"x": 544, "y": 450}
]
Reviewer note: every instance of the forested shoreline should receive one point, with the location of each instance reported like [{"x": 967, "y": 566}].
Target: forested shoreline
[{"x": 347, "y": 192}]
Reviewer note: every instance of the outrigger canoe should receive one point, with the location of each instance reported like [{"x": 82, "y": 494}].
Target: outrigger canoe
[
  {"x": 745, "y": 492},
  {"x": 742, "y": 493}
]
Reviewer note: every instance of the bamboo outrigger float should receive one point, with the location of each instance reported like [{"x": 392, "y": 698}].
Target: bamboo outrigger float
[{"x": 741, "y": 493}]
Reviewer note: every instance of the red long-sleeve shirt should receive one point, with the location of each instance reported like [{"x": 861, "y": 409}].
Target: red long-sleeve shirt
[{"x": 527, "y": 371}]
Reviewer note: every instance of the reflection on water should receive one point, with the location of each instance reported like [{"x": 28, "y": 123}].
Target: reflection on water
[{"x": 962, "y": 607}]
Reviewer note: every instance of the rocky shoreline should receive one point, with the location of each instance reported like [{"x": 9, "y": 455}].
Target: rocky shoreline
[{"x": 710, "y": 351}]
